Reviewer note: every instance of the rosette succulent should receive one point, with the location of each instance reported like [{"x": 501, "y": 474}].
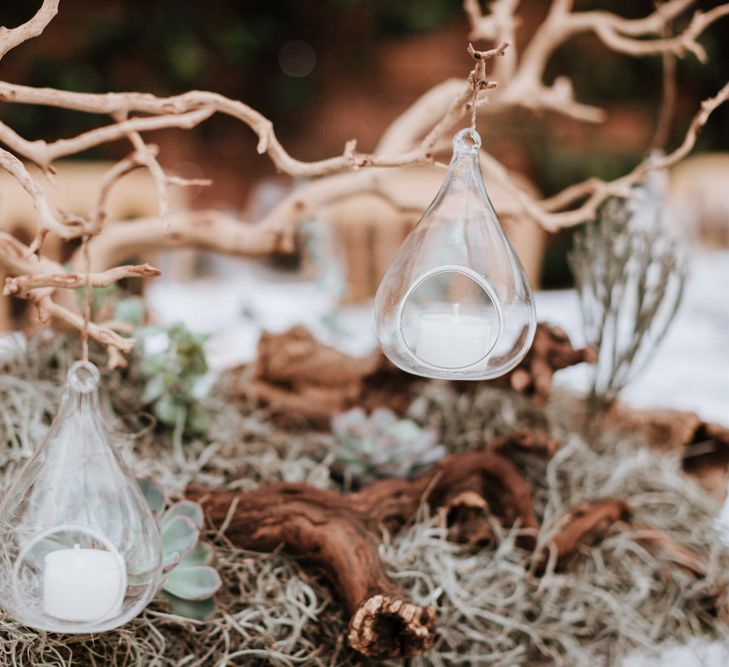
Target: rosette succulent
[
  {"x": 191, "y": 582},
  {"x": 382, "y": 445},
  {"x": 173, "y": 363}
]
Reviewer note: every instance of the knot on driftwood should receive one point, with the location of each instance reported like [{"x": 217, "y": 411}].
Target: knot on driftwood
[
  {"x": 390, "y": 627},
  {"x": 551, "y": 351}
]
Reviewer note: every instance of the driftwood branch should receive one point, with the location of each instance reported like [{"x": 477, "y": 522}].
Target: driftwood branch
[
  {"x": 45, "y": 275},
  {"x": 44, "y": 154},
  {"x": 550, "y": 352},
  {"x": 12, "y": 37},
  {"x": 21, "y": 285},
  {"x": 182, "y": 111},
  {"x": 583, "y": 526},
  {"x": 48, "y": 220},
  {"x": 48, "y": 308},
  {"x": 521, "y": 77},
  {"x": 470, "y": 491},
  {"x": 191, "y": 108},
  {"x": 414, "y": 138},
  {"x": 341, "y": 532},
  {"x": 300, "y": 378},
  {"x": 703, "y": 446}
]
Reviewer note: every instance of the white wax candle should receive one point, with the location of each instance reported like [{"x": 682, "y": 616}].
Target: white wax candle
[
  {"x": 83, "y": 584},
  {"x": 453, "y": 340}
]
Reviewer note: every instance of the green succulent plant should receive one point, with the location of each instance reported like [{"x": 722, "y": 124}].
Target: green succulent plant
[
  {"x": 173, "y": 375},
  {"x": 382, "y": 445},
  {"x": 190, "y": 580},
  {"x": 114, "y": 303}
]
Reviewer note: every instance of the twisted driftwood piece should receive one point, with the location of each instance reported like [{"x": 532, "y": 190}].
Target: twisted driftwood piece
[
  {"x": 551, "y": 351},
  {"x": 704, "y": 446},
  {"x": 525, "y": 441},
  {"x": 299, "y": 377},
  {"x": 586, "y": 524},
  {"x": 341, "y": 533}
]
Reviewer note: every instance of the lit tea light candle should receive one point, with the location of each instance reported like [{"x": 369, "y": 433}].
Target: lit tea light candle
[
  {"x": 452, "y": 340},
  {"x": 83, "y": 584}
]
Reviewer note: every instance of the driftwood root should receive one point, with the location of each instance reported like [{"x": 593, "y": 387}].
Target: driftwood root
[
  {"x": 299, "y": 378},
  {"x": 390, "y": 627},
  {"x": 340, "y": 533}
]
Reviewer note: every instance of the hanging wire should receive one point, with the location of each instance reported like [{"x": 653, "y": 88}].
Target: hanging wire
[
  {"x": 88, "y": 293},
  {"x": 474, "y": 106},
  {"x": 478, "y": 80}
]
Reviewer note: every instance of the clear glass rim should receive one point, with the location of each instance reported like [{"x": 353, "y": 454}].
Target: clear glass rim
[
  {"x": 83, "y": 377},
  {"x": 467, "y": 141}
]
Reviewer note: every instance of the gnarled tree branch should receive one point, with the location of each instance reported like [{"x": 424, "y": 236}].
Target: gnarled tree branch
[
  {"x": 12, "y": 37},
  {"x": 21, "y": 285},
  {"x": 415, "y": 138}
]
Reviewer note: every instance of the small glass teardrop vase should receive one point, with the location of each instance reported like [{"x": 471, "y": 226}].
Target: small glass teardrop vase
[
  {"x": 456, "y": 303},
  {"x": 81, "y": 551}
]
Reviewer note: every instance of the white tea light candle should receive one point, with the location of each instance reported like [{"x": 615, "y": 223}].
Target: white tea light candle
[
  {"x": 83, "y": 584},
  {"x": 452, "y": 340}
]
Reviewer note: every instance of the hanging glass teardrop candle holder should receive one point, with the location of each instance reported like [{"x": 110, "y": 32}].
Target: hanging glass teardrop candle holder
[
  {"x": 81, "y": 551},
  {"x": 455, "y": 302}
]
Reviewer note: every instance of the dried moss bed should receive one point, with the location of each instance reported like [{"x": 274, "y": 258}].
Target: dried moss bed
[{"x": 491, "y": 608}]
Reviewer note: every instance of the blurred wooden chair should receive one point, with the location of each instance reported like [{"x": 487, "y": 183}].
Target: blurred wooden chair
[
  {"x": 371, "y": 230},
  {"x": 699, "y": 198},
  {"x": 74, "y": 189}
]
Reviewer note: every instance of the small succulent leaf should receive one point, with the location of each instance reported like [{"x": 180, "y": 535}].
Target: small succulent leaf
[
  {"x": 129, "y": 310},
  {"x": 383, "y": 418},
  {"x": 153, "y": 389},
  {"x": 404, "y": 430},
  {"x": 179, "y": 534},
  {"x": 198, "y": 610},
  {"x": 171, "y": 561},
  {"x": 188, "y": 508},
  {"x": 432, "y": 455},
  {"x": 198, "y": 420},
  {"x": 154, "y": 494},
  {"x": 353, "y": 419},
  {"x": 201, "y": 554},
  {"x": 193, "y": 583},
  {"x": 151, "y": 364},
  {"x": 167, "y": 409}
]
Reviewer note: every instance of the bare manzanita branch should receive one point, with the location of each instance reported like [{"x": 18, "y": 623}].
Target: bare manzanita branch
[
  {"x": 12, "y": 37},
  {"x": 521, "y": 81},
  {"x": 44, "y": 154},
  {"x": 104, "y": 335},
  {"x": 47, "y": 218},
  {"x": 414, "y": 138},
  {"x": 21, "y": 285}
]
